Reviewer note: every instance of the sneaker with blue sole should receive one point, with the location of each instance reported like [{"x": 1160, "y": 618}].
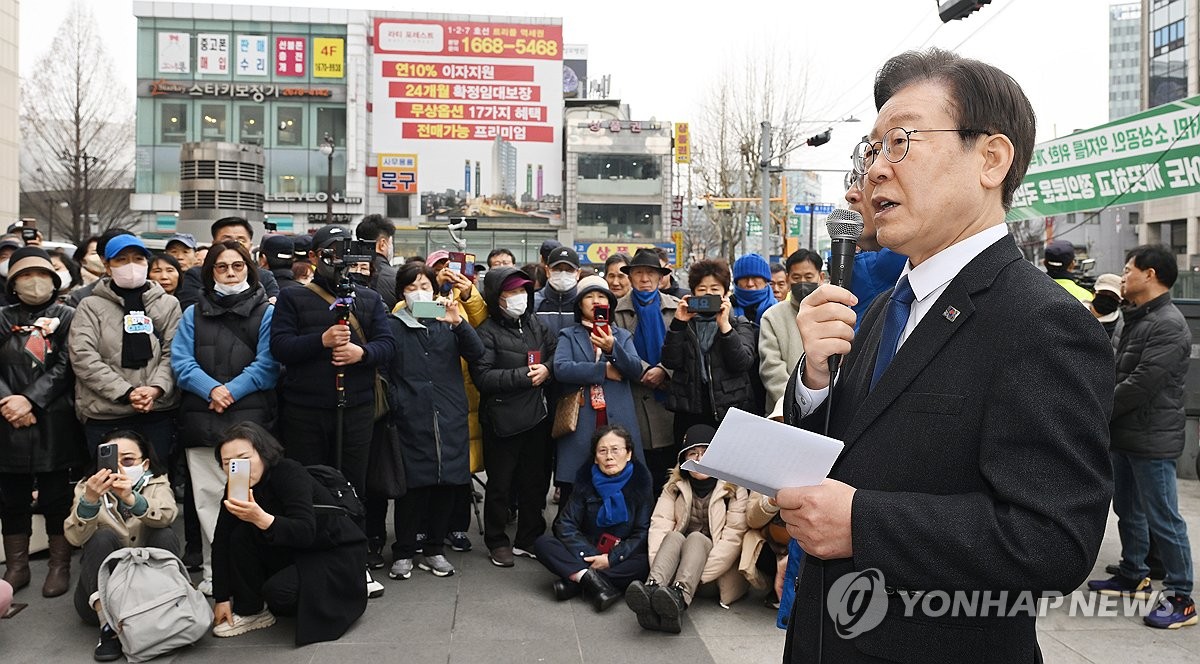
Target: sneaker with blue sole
[
  {"x": 1119, "y": 586},
  {"x": 1172, "y": 612}
]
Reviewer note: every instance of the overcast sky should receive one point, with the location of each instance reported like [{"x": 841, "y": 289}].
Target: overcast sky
[{"x": 662, "y": 55}]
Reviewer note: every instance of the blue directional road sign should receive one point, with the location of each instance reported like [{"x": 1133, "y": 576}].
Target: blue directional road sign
[{"x": 803, "y": 208}]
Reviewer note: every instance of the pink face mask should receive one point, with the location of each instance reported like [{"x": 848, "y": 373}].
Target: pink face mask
[{"x": 130, "y": 275}]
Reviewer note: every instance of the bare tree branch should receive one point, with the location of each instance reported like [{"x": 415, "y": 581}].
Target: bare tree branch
[{"x": 77, "y": 133}]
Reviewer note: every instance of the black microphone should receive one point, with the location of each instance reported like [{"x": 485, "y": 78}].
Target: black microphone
[{"x": 844, "y": 226}]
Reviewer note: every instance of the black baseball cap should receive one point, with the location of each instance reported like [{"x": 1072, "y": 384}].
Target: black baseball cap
[
  {"x": 1059, "y": 253},
  {"x": 563, "y": 255},
  {"x": 547, "y": 247},
  {"x": 329, "y": 233},
  {"x": 278, "y": 249}
]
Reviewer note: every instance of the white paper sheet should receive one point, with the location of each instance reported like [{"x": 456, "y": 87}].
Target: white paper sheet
[{"x": 765, "y": 456}]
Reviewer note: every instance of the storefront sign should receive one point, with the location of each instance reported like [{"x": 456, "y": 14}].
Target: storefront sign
[
  {"x": 212, "y": 53},
  {"x": 290, "y": 59},
  {"x": 598, "y": 252},
  {"x": 329, "y": 57},
  {"x": 397, "y": 173},
  {"x": 683, "y": 144},
  {"x": 252, "y": 55},
  {"x": 174, "y": 53},
  {"x": 1154, "y": 154},
  {"x": 257, "y": 92},
  {"x": 338, "y": 218},
  {"x": 310, "y": 197}
]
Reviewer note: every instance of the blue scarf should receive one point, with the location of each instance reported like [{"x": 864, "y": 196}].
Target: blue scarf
[
  {"x": 613, "y": 510},
  {"x": 650, "y": 333},
  {"x": 760, "y": 300}
]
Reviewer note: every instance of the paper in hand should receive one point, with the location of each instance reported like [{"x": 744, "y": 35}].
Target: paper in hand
[{"x": 765, "y": 456}]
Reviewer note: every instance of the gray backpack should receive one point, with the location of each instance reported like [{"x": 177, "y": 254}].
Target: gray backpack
[{"x": 146, "y": 597}]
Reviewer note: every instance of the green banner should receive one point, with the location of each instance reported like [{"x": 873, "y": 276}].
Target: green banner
[{"x": 1154, "y": 154}]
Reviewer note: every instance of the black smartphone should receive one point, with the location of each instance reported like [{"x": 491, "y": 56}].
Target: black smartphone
[
  {"x": 28, "y": 234},
  {"x": 600, "y": 315},
  {"x": 106, "y": 457},
  {"x": 704, "y": 304}
]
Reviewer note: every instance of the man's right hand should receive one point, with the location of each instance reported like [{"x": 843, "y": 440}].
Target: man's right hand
[
  {"x": 336, "y": 335},
  {"x": 538, "y": 373},
  {"x": 222, "y": 612},
  {"x": 826, "y": 324}
]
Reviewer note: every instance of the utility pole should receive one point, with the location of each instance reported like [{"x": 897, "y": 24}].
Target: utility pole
[{"x": 764, "y": 170}]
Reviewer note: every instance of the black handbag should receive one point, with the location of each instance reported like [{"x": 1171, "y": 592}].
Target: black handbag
[{"x": 385, "y": 464}]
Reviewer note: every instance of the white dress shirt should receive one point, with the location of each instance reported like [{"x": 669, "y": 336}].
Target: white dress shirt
[{"x": 928, "y": 281}]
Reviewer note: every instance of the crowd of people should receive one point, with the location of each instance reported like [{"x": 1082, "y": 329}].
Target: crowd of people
[{"x": 404, "y": 379}]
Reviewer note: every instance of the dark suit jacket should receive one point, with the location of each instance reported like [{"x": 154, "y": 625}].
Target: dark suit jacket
[{"x": 980, "y": 461}]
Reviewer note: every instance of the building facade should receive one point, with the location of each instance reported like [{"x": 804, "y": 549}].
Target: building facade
[
  {"x": 1124, "y": 61},
  {"x": 10, "y": 96}
]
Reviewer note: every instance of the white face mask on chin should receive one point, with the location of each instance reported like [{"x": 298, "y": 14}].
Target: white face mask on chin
[{"x": 231, "y": 289}]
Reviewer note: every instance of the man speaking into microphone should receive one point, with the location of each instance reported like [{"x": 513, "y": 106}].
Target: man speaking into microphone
[{"x": 973, "y": 401}]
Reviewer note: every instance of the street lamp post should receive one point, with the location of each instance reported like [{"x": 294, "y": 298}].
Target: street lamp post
[{"x": 327, "y": 150}]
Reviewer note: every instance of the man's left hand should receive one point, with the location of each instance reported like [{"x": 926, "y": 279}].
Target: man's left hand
[
  {"x": 348, "y": 354},
  {"x": 818, "y": 517}
]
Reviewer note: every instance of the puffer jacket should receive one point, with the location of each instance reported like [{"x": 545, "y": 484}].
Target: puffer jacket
[
  {"x": 101, "y": 383},
  {"x": 1152, "y": 363},
  {"x": 160, "y": 513},
  {"x": 509, "y": 403},
  {"x": 577, "y": 527},
  {"x": 726, "y": 521},
  {"x": 721, "y": 377}
]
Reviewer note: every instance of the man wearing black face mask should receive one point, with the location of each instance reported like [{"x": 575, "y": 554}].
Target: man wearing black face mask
[
  {"x": 779, "y": 344},
  {"x": 1106, "y": 303}
]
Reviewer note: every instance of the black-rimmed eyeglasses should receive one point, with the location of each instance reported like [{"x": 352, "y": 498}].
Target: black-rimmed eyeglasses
[{"x": 895, "y": 146}]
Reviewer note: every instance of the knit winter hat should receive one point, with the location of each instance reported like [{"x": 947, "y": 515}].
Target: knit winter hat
[{"x": 751, "y": 265}]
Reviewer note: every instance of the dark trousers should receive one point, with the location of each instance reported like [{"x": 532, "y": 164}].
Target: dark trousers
[
  {"x": 659, "y": 462},
  {"x": 98, "y": 547},
  {"x": 376, "y": 518},
  {"x": 516, "y": 467},
  {"x": 310, "y": 437},
  {"x": 432, "y": 504},
  {"x": 460, "y": 513},
  {"x": 684, "y": 421},
  {"x": 158, "y": 428},
  {"x": 261, "y": 573},
  {"x": 563, "y": 562},
  {"x": 16, "y": 510}
]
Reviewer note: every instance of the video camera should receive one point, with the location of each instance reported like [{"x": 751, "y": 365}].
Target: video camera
[{"x": 341, "y": 254}]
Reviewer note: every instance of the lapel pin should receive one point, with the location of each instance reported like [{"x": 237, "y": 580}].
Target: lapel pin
[{"x": 951, "y": 314}]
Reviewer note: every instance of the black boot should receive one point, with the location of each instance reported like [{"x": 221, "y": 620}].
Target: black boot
[
  {"x": 597, "y": 588},
  {"x": 375, "y": 553},
  {"x": 669, "y": 604},
  {"x": 109, "y": 647},
  {"x": 565, "y": 589},
  {"x": 637, "y": 598}
]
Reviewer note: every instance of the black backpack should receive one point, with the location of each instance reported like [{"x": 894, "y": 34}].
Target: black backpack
[{"x": 345, "y": 498}]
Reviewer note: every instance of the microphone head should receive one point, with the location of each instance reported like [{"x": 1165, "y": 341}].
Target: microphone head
[{"x": 844, "y": 225}]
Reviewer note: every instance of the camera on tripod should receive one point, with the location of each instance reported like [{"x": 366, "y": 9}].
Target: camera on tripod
[{"x": 341, "y": 254}]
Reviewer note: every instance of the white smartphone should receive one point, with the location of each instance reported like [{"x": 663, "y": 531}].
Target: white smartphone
[{"x": 238, "y": 486}]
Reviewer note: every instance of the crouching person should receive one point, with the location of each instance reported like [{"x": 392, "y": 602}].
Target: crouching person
[
  {"x": 287, "y": 551},
  {"x": 695, "y": 538},
  {"x": 599, "y": 541},
  {"x": 131, "y": 508}
]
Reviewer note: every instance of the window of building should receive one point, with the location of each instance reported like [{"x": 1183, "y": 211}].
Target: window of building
[
  {"x": 1178, "y": 236},
  {"x": 250, "y": 124},
  {"x": 212, "y": 122},
  {"x": 397, "y": 206},
  {"x": 173, "y": 124},
  {"x": 618, "y": 167},
  {"x": 289, "y": 126},
  {"x": 619, "y": 221},
  {"x": 331, "y": 120}
]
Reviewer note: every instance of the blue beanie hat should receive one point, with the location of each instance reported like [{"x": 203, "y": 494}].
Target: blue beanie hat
[{"x": 751, "y": 265}]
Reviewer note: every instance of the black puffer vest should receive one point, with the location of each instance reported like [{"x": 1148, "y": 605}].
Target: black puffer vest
[{"x": 226, "y": 342}]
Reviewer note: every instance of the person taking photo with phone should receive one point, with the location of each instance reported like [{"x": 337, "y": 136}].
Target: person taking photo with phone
[
  {"x": 127, "y": 502},
  {"x": 39, "y": 436},
  {"x": 287, "y": 550},
  {"x": 712, "y": 352},
  {"x": 429, "y": 410}
]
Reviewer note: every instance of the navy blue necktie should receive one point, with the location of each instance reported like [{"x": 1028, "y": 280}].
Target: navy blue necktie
[{"x": 895, "y": 317}]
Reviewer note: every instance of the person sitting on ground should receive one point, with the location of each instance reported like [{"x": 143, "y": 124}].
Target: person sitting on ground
[
  {"x": 113, "y": 511},
  {"x": 599, "y": 540},
  {"x": 278, "y": 553},
  {"x": 695, "y": 537}
]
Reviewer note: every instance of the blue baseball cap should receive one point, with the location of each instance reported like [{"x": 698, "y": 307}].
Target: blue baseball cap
[{"x": 122, "y": 242}]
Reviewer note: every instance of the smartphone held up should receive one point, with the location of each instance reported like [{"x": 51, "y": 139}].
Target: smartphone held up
[{"x": 238, "y": 485}]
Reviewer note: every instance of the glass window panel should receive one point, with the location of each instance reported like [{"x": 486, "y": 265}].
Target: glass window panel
[
  {"x": 331, "y": 120},
  {"x": 213, "y": 122},
  {"x": 618, "y": 167},
  {"x": 173, "y": 122},
  {"x": 250, "y": 124},
  {"x": 397, "y": 206},
  {"x": 619, "y": 221},
  {"x": 289, "y": 125},
  {"x": 288, "y": 172}
]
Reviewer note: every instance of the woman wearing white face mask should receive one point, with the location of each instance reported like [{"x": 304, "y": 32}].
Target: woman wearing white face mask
[
  {"x": 112, "y": 511},
  {"x": 222, "y": 359},
  {"x": 513, "y": 380},
  {"x": 39, "y": 435},
  {"x": 120, "y": 347}
]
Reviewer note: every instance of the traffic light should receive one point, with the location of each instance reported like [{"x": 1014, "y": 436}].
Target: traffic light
[
  {"x": 952, "y": 10},
  {"x": 818, "y": 139}
]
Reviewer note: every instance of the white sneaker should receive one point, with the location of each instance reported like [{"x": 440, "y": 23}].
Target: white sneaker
[
  {"x": 205, "y": 587},
  {"x": 374, "y": 588},
  {"x": 517, "y": 551},
  {"x": 243, "y": 624}
]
